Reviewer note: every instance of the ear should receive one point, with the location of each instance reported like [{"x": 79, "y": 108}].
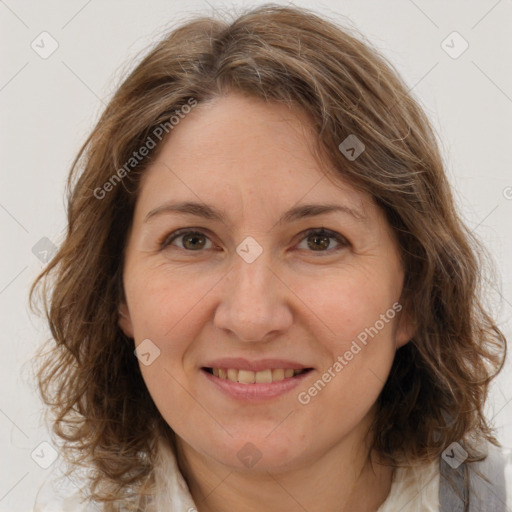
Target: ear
[
  {"x": 125, "y": 321},
  {"x": 406, "y": 328}
]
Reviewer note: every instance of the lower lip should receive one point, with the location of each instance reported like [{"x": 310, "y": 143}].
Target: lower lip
[{"x": 255, "y": 391}]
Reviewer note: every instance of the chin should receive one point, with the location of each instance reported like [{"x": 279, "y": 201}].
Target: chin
[{"x": 259, "y": 452}]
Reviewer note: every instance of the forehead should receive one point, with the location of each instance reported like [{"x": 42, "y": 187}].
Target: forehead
[
  {"x": 241, "y": 152},
  {"x": 236, "y": 134}
]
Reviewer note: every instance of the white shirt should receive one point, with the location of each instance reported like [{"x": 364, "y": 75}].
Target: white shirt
[{"x": 412, "y": 490}]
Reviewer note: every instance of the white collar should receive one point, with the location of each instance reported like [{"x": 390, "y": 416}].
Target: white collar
[{"x": 173, "y": 494}]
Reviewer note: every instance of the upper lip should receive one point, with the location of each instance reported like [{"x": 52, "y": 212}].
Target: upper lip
[{"x": 240, "y": 363}]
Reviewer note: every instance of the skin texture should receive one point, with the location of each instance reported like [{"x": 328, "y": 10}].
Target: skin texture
[{"x": 253, "y": 160}]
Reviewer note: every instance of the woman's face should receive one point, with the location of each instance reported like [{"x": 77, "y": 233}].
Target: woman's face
[{"x": 257, "y": 290}]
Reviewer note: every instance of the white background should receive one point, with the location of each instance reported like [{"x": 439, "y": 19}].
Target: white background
[{"x": 48, "y": 106}]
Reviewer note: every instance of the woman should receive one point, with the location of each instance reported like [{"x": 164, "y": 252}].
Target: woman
[{"x": 266, "y": 297}]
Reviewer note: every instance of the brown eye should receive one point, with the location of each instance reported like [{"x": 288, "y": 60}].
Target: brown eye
[
  {"x": 194, "y": 241},
  {"x": 316, "y": 242},
  {"x": 320, "y": 240},
  {"x": 190, "y": 240}
]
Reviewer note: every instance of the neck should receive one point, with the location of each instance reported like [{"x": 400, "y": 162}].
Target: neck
[{"x": 344, "y": 478}]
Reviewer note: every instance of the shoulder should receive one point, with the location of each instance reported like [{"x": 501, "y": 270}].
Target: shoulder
[
  {"x": 507, "y": 454},
  {"x": 493, "y": 476},
  {"x": 414, "y": 488},
  {"x": 62, "y": 494},
  {"x": 433, "y": 487},
  {"x": 484, "y": 485},
  {"x": 72, "y": 503}
]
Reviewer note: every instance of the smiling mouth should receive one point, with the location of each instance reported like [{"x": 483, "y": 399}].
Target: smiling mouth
[{"x": 261, "y": 377}]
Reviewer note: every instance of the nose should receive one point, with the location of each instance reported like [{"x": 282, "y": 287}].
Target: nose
[{"x": 255, "y": 303}]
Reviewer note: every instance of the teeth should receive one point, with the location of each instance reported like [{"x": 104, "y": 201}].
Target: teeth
[
  {"x": 278, "y": 374},
  {"x": 245, "y": 376},
  {"x": 263, "y": 377},
  {"x": 250, "y": 377}
]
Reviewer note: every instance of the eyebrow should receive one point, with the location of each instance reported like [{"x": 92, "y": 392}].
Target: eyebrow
[{"x": 212, "y": 213}]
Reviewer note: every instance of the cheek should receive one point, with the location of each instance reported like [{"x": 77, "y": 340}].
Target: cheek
[
  {"x": 349, "y": 304},
  {"x": 357, "y": 314},
  {"x": 164, "y": 310},
  {"x": 163, "y": 305}
]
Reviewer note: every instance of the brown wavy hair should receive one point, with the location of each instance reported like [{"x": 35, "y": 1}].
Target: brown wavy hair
[{"x": 89, "y": 376}]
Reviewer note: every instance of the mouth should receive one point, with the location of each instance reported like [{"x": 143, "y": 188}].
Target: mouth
[
  {"x": 249, "y": 386},
  {"x": 267, "y": 376}
]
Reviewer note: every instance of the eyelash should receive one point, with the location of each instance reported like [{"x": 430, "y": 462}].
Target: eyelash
[{"x": 168, "y": 239}]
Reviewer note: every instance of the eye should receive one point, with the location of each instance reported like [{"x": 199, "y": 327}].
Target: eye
[
  {"x": 190, "y": 240},
  {"x": 319, "y": 240}
]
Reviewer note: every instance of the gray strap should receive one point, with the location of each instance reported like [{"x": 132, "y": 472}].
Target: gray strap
[
  {"x": 474, "y": 487},
  {"x": 453, "y": 492}
]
